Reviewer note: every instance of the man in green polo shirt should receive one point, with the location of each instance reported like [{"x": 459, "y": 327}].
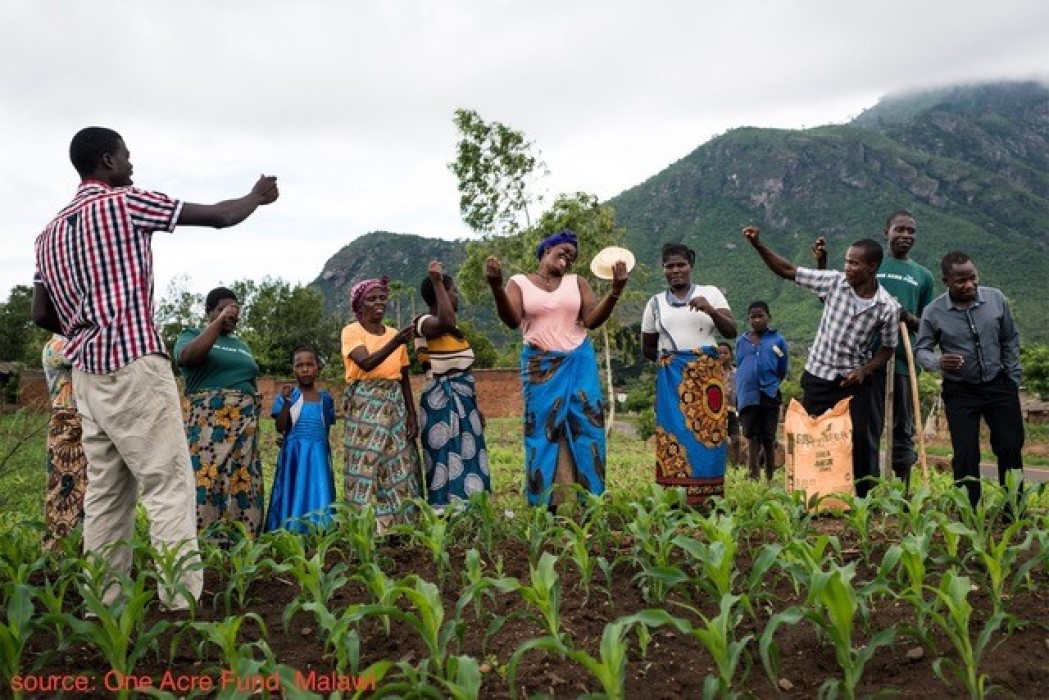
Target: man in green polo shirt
[{"x": 914, "y": 288}]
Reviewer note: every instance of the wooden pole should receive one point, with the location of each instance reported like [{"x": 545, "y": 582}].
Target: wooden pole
[
  {"x": 890, "y": 391},
  {"x": 919, "y": 427},
  {"x": 611, "y": 389}
]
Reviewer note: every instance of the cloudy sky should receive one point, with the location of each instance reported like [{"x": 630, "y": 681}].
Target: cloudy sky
[{"x": 350, "y": 103}]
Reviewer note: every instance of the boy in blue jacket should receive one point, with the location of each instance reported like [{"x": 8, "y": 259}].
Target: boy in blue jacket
[{"x": 761, "y": 364}]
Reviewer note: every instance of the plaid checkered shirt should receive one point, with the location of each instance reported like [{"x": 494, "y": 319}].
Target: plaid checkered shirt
[
  {"x": 96, "y": 260},
  {"x": 848, "y": 325}
]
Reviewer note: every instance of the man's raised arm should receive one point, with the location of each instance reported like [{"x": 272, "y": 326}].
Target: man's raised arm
[
  {"x": 232, "y": 211},
  {"x": 781, "y": 266}
]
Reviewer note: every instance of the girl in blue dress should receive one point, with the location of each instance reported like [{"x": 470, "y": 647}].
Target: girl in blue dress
[{"x": 304, "y": 486}]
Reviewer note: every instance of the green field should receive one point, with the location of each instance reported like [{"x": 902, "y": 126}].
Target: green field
[{"x": 622, "y": 596}]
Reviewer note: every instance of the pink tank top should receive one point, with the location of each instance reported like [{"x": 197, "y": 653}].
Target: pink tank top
[{"x": 551, "y": 319}]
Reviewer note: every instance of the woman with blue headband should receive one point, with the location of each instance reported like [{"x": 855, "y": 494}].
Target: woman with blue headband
[{"x": 564, "y": 434}]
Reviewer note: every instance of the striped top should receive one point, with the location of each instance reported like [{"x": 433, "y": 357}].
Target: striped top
[
  {"x": 449, "y": 352},
  {"x": 96, "y": 260}
]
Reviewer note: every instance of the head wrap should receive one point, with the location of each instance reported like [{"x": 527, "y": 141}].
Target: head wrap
[
  {"x": 361, "y": 289},
  {"x": 562, "y": 236}
]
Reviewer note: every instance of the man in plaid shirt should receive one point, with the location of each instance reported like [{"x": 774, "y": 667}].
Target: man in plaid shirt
[
  {"x": 856, "y": 309},
  {"x": 94, "y": 285}
]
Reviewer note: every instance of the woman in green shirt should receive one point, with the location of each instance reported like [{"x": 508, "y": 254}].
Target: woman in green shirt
[{"x": 222, "y": 420}]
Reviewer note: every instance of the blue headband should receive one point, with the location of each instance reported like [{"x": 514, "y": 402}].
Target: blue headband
[{"x": 563, "y": 236}]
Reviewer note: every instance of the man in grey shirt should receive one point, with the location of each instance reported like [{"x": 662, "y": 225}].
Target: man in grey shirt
[{"x": 980, "y": 360}]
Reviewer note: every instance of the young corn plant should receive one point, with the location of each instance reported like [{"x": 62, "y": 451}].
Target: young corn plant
[
  {"x": 477, "y": 585},
  {"x": 540, "y": 530},
  {"x": 953, "y": 534},
  {"x": 1039, "y": 560},
  {"x": 118, "y": 630},
  {"x": 19, "y": 556},
  {"x": 717, "y": 635},
  {"x": 356, "y": 527},
  {"x": 952, "y": 613},
  {"x": 831, "y": 606},
  {"x": 51, "y": 595},
  {"x": 1001, "y": 558},
  {"x": 717, "y": 562},
  {"x": 317, "y": 582},
  {"x": 543, "y": 595},
  {"x": 908, "y": 558},
  {"x": 432, "y": 533},
  {"x": 858, "y": 517},
  {"x": 411, "y": 681},
  {"x": 382, "y": 588},
  {"x": 15, "y": 629},
  {"x": 577, "y": 537},
  {"x": 169, "y": 566},
  {"x": 478, "y": 522},
  {"x": 802, "y": 558},
  {"x": 653, "y": 547},
  {"x": 609, "y": 667},
  {"x": 246, "y": 563},
  {"x": 342, "y": 640},
  {"x": 459, "y": 677},
  {"x": 776, "y": 516},
  {"x": 224, "y": 635}
]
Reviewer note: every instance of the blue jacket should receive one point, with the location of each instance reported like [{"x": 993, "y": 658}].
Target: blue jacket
[{"x": 761, "y": 367}]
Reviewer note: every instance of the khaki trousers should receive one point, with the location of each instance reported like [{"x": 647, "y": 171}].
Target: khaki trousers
[{"x": 135, "y": 444}]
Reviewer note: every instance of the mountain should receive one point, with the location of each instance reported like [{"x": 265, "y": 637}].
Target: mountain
[
  {"x": 404, "y": 258},
  {"x": 970, "y": 162}
]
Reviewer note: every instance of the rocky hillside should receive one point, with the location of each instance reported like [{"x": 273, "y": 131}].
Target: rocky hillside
[{"x": 972, "y": 164}]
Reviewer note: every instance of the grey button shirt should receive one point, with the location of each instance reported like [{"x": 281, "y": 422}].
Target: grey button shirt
[{"x": 983, "y": 334}]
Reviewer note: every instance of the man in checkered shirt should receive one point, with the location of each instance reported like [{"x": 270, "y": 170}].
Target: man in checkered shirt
[
  {"x": 94, "y": 285},
  {"x": 856, "y": 309}
]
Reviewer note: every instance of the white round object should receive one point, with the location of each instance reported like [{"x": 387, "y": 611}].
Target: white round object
[{"x": 602, "y": 263}]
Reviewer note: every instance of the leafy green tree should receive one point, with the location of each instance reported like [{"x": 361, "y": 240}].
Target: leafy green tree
[
  {"x": 494, "y": 166},
  {"x": 594, "y": 223},
  {"x": 277, "y": 317},
  {"x": 402, "y": 303},
  {"x": 485, "y": 355},
  {"x": 20, "y": 339},
  {"x": 1035, "y": 361},
  {"x": 179, "y": 309}
]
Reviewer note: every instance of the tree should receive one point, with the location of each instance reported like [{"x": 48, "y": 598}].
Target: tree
[
  {"x": 275, "y": 319},
  {"x": 485, "y": 355},
  {"x": 20, "y": 339},
  {"x": 1035, "y": 361},
  {"x": 494, "y": 166},
  {"x": 178, "y": 309}
]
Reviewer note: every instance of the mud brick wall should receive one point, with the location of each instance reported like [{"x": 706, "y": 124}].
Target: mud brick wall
[{"x": 498, "y": 391}]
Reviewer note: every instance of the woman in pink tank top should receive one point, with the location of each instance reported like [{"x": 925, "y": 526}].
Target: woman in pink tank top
[{"x": 564, "y": 435}]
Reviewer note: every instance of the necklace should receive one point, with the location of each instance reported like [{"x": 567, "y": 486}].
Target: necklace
[{"x": 545, "y": 278}]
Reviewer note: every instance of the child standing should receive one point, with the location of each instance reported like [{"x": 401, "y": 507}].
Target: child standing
[
  {"x": 762, "y": 357},
  {"x": 304, "y": 486}
]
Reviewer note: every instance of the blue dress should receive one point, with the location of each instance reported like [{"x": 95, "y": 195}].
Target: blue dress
[{"x": 304, "y": 486}]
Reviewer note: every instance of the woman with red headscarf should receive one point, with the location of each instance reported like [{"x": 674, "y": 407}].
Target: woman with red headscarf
[{"x": 382, "y": 463}]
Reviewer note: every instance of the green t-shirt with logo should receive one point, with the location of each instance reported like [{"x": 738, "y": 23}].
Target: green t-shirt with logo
[
  {"x": 913, "y": 286},
  {"x": 229, "y": 365}
]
